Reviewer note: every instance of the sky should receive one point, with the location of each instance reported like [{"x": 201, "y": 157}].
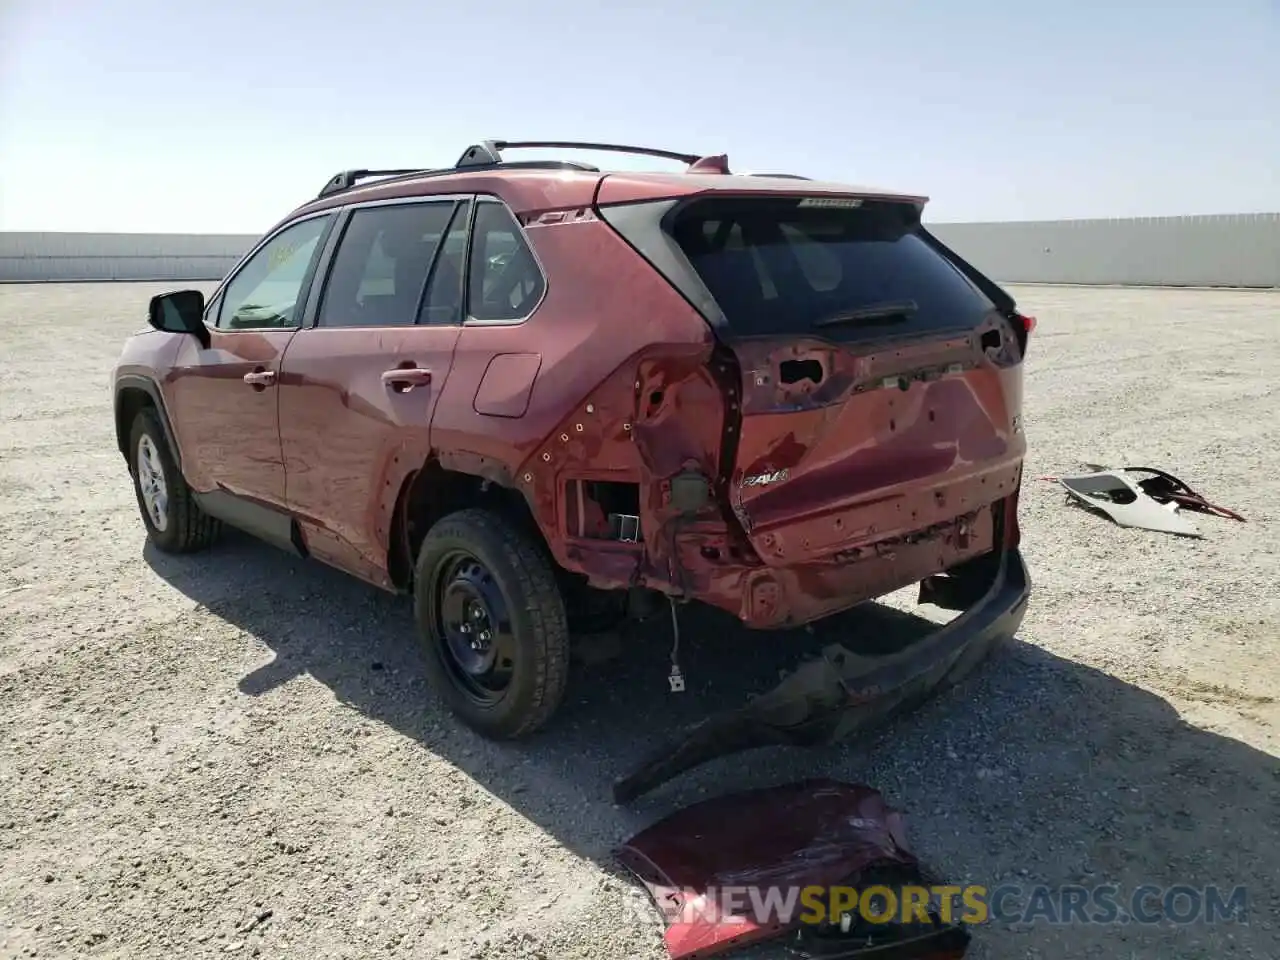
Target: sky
[{"x": 216, "y": 116}]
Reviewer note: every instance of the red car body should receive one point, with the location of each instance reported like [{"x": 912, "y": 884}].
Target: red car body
[{"x": 657, "y": 424}]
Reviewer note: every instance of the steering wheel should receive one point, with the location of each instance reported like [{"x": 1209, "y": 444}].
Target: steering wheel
[{"x": 252, "y": 316}]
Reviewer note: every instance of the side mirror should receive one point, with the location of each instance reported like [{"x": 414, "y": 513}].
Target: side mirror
[{"x": 180, "y": 312}]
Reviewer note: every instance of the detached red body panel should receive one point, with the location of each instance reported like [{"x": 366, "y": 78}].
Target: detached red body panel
[{"x": 729, "y": 872}]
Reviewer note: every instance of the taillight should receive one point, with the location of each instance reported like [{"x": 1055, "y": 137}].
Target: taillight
[{"x": 1022, "y": 327}]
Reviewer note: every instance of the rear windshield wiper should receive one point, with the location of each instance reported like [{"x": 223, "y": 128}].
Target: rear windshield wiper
[{"x": 890, "y": 311}]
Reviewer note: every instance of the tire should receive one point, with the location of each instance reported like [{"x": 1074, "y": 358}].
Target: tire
[
  {"x": 503, "y": 671},
  {"x": 178, "y": 525}
]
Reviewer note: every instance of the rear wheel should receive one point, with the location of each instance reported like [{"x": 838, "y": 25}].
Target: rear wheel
[
  {"x": 175, "y": 524},
  {"x": 493, "y": 623}
]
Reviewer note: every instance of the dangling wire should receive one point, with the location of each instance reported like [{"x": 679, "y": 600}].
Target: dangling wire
[{"x": 675, "y": 678}]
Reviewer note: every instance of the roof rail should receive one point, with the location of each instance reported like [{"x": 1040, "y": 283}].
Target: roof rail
[
  {"x": 780, "y": 176},
  {"x": 348, "y": 179},
  {"x": 489, "y": 151},
  {"x": 488, "y": 154}
]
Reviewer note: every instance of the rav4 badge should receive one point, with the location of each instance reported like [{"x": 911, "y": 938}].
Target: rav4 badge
[{"x": 764, "y": 479}]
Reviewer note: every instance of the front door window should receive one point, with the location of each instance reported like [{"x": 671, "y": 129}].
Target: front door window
[{"x": 267, "y": 292}]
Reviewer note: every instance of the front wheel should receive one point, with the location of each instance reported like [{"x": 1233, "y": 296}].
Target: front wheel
[
  {"x": 493, "y": 623},
  {"x": 175, "y": 523}
]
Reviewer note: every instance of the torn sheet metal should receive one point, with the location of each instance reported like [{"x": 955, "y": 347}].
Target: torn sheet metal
[
  {"x": 1125, "y": 502},
  {"x": 729, "y": 872}
]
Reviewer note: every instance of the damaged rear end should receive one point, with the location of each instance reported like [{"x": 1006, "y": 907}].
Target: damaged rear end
[{"x": 872, "y": 437}]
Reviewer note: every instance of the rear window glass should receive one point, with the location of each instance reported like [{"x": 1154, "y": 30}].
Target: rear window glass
[{"x": 775, "y": 266}]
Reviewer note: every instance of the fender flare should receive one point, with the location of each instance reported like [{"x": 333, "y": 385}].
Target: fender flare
[{"x": 133, "y": 381}]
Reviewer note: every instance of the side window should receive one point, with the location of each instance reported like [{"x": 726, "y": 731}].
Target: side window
[
  {"x": 268, "y": 290},
  {"x": 212, "y": 309},
  {"x": 380, "y": 270},
  {"x": 443, "y": 303},
  {"x": 506, "y": 282}
]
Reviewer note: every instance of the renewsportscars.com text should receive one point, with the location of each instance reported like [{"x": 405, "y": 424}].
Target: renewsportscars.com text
[{"x": 971, "y": 904}]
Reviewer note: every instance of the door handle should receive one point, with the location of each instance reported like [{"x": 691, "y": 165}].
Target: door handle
[
  {"x": 260, "y": 378},
  {"x": 402, "y": 379}
]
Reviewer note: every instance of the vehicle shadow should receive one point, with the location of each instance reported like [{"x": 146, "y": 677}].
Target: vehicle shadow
[{"x": 1035, "y": 769}]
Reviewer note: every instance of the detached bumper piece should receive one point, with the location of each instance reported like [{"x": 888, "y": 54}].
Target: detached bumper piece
[
  {"x": 842, "y": 693},
  {"x": 775, "y": 863}
]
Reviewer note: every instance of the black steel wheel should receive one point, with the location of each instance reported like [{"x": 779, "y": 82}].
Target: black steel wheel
[
  {"x": 474, "y": 625},
  {"x": 493, "y": 623}
]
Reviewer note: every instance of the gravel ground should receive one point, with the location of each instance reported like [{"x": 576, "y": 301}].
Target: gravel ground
[{"x": 236, "y": 752}]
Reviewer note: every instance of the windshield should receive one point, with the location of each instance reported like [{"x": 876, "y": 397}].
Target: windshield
[{"x": 784, "y": 266}]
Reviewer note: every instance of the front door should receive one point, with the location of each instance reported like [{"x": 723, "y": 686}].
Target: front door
[
  {"x": 361, "y": 384},
  {"x": 224, "y": 398}
]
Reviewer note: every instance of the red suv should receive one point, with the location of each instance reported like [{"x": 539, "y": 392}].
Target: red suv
[{"x": 538, "y": 396}]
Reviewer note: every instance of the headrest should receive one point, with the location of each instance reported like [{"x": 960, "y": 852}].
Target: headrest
[{"x": 403, "y": 244}]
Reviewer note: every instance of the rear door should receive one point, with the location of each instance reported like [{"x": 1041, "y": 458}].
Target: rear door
[
  {"x": 881, "y": 387},
  {"x": 360, "y": 383}
]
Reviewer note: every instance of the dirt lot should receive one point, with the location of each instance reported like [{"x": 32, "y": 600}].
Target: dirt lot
[{"x": 236, "y": 753}]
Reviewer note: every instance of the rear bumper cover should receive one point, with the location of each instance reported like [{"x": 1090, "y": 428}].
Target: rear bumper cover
[{"x": 842, "y": 693}]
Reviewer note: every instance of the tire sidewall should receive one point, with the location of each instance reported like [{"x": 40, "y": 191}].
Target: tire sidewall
[
  {"x": 145, "y": 424},
  {"x": 503, "y": 718}
]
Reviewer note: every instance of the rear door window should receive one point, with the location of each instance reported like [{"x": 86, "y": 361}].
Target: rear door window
[
  {"x": 444, "y": 300},
  {"x": 384, "y": 261},
  {"x": 778, "y": 266}
]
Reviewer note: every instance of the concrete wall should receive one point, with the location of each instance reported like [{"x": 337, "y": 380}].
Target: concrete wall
[
  {"x": 1232, "y": 250},
  {"x": 1229, "y": 250},
  {"x": 119, "y": 256}
]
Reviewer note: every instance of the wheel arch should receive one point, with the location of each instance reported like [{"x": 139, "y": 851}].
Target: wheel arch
[
  {"x": 133, "y": 394},
  {"x": 440, "y": 487}
]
